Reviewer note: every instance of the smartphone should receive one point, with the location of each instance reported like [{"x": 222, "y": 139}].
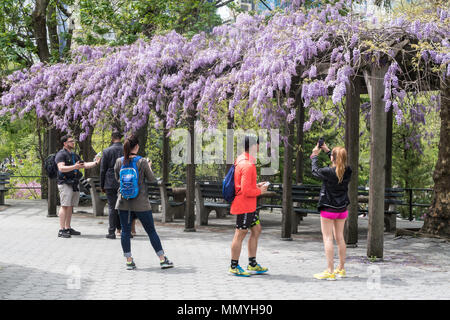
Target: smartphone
[
  {"x": 81, "y": 161},
  {"x": 266, "y": 184},
  {"x": 321, "y": 141}
]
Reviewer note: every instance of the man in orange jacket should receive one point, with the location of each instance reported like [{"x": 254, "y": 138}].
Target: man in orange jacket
[{"x": 244, "y": 207}]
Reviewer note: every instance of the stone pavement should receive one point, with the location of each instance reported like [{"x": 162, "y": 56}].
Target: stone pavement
[{"x": 36, "y": 264}]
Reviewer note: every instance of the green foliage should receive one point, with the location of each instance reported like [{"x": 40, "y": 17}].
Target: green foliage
[
  {"x": 18, "y": 143},
  {"x": 17, "y": 137},
  {"x": 125, "y": 21},
  {"x": 16, "y": 45}
]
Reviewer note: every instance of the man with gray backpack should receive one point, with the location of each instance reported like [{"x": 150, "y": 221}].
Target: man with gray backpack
[{"x": 131, "y": 171}]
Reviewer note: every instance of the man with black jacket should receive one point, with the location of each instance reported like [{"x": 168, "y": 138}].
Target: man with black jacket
[{"x": 108, "y": 182}]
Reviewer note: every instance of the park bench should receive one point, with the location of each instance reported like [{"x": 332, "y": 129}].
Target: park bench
[
  {"x": 392, "y": 199},
  {"x": 208, "y": 197},
  {"x": 304, "y": 198},
  {"x": 171, "y": 207},
  {"x": 4, "y": 182},
  {"x": 99, "y": 199},
  {"x": 172, "y": 200}
]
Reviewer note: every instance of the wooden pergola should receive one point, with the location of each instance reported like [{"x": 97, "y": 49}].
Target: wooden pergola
[{"x": 369, "y": 80}]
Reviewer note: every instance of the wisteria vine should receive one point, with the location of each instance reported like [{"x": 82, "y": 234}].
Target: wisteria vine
[{"x": 257, "y": 63}]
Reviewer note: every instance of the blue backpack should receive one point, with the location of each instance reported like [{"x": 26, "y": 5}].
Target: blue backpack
[
  {"x": 228, "y": 190},
  {"x": 129, "y": 179}
]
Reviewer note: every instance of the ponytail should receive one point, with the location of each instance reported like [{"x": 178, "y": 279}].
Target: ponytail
[
  {"x": 128, "y": 145},
  {"x": 340, "y": 161}
]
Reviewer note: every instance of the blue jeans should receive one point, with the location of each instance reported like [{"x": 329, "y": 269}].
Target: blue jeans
[
  {"x": 114, "y": 221},
  {"x": 146, "y": 218}
]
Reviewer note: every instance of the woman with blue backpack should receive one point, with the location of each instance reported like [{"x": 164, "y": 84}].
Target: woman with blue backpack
[{"x": 131, "y": 171}]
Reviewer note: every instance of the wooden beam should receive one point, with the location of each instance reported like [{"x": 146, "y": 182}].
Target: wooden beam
[
  {"x": 189, "y": 217},
  {"x": 287, "y": 205},
  {"x": 352, "y": 111},
  {"x": 375, "y": 238},
  {"x": 165, "y": 154},
  {"x": 52, "y": 187},
  {"x": 299, "y": 163}
]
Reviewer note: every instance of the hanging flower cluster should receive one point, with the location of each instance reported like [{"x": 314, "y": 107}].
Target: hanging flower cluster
[{"x": 257, "y": 63}]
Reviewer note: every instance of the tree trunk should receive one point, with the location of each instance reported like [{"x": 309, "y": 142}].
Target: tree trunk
[
  {"x": 189, "y": 216},
  {"x": 374, "y": 80},
  {"x": 299, "y": 163},
  {"x": 40, "y": 29},
  {"x": 352, "y": 146},
  {"x": 287, "y": 205},
  {"x": 142, "y": 134},
  {"x": 436, "y": 221},
  {"x": 75, "y": 28},
  {"x": 52, "y": 26},
  {"x": 87, "y": 153}
]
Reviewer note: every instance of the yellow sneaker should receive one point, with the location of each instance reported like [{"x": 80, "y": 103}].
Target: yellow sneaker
[
  {"x": 340, "y": 273},
  {"x": 238, "y": 271},
  {"x": 256, "y": 269},
  {"x": 325, "y": 276}
]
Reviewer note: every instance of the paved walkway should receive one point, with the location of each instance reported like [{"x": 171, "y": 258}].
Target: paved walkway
[{"x": 36, "y": 264}]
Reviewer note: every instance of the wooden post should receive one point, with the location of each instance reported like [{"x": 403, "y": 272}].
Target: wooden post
[
  {"x": 374, "y": 81},
  {"x": 388, "y": 177},
  {"x": 189, "y": 216},
  {"x": 391, "y": 219},
  {"x": 165, "y": 155},
  {"x": 52, "y": 187},
  {"x": 287, "y": 205},
  {"x": 230, "y": 143},
  {"x": 352, "y": 145},
  {"x": 300, "y": 137}
]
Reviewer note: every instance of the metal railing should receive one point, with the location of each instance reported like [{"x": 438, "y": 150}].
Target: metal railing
[
  {"x": 410, "y": 199},
  {"x": 411, "y": 203},
  {"x": 16, "y": 179}
]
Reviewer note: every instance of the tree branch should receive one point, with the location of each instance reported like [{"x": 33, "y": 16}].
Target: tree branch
[
  {"x": 63, "y": 10},
  {"x": 221, "y": 4}
]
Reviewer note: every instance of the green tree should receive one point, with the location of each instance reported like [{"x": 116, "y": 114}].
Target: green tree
[
  {"x": 123, "y": 22},
  {"x": 29, "y": 32}
]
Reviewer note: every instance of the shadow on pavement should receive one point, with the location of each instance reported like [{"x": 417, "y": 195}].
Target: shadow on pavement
[
  {"x": 23, "y": 283},
  {"x": 175, "y": 270}
]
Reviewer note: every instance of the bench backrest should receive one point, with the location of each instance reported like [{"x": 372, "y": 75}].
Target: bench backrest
[
  {"x": 211, "y": 189},
  {"x": 154, "y": 191},
  {"x": 153, "y": 187},
  {"x": 306, "y": 193},
  {"x": 4, "y": 178}
]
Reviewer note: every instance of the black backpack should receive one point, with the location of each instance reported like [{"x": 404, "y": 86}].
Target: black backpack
[{"x": 50, "y": 166}]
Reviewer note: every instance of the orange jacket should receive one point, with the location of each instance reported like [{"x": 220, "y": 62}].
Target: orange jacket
[{"x": 245, "y": 185}]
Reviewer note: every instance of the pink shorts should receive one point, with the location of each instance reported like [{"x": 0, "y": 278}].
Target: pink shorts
[{"x": 334, "y": 215}]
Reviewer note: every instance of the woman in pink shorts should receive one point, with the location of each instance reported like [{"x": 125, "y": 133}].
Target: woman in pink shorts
[{"x": 333, "y": 202}]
